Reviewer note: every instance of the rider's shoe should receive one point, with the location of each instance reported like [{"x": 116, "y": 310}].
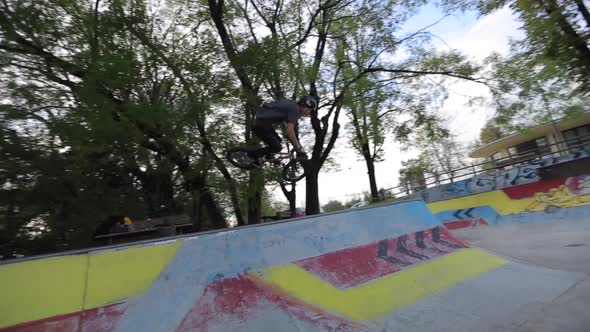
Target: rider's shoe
[
  {"x": 257, "y": 161},
  {"x": 270, "y": 158}
]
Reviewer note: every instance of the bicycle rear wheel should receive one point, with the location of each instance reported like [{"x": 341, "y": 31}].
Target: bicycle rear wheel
[
  {"x": 239, "y": 158},
  {"x": 293, "y": 171}
]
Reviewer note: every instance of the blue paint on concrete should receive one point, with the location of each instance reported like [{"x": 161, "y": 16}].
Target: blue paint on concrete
[
  {"x": 486, "y": 213},
  {"x": 499, "y": 179},
  {"x": 208, "y": 257},
  {"x": 492, "y": 217},
  {"x": 575, "y": 213}
]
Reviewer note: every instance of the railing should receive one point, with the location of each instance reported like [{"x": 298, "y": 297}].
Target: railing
[{"x": 562, "y": 148}]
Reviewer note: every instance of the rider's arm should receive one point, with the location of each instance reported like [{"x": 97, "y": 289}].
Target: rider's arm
[{"x": 292, "y": 137}]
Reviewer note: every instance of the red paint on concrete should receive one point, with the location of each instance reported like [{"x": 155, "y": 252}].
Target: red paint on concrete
[
  {"x": 103, "y": 319},
  {"x": 529, "y": 189},
  {"x": 354, "y": 266},
  {"x": 457, "y": 224},
  {"x": 446, "y": 235},
  {"x": 232, "y": 301},
  {"x": 349, "y": 267}
]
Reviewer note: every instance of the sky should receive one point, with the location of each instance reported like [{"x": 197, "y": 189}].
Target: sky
[{"x": 476, "y": 37}]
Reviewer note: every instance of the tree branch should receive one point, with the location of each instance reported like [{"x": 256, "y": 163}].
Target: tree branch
[{"x": 417, "y": 72}]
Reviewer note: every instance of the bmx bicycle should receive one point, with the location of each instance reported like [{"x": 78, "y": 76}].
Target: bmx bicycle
[{"x": 292, "y": 169}]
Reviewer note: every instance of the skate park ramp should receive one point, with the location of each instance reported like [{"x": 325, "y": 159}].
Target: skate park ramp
[{"x": 393, "y": 267}]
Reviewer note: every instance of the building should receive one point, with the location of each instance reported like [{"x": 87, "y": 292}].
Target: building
[{"x": 557, "y": 138}]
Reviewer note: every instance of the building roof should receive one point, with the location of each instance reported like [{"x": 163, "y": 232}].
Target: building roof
[{"x": 528, "y": 135}]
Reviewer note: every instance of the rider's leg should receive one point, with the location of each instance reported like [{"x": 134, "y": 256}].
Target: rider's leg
[
  {"x": 274, "y": 143},
  {"x": 268, "y": 135}
]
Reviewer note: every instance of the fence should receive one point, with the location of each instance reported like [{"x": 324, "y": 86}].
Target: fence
[{"x": 569, "y": 146}]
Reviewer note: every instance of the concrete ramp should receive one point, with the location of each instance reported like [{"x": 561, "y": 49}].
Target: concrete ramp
[{"x": 388, "y": 268}]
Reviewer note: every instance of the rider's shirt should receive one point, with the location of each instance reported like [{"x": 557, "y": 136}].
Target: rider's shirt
[{"x": 279, "y": 111}]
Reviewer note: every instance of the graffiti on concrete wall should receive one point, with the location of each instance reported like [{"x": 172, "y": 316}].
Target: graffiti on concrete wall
[
  {"x": 500, "y": 179},
  {"x": 575, "y": 191},
  {"x": 324, "y": 290},
  {"x": 512, "y": 177},
  {"x": 350, "y": 289},
  {"x": 546, "y": 199}
]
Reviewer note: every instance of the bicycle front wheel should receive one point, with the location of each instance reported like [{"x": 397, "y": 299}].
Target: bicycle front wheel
[{"x": 293, "y": 171}]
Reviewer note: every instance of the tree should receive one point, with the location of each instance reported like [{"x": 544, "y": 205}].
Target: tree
[
  {"x": 83, "y": 87},
  {"x": 353, "y": 58},
  {"x": 547, "y": 73},
  {"x": 526, "y": 97},
  {"x": 490, "y": 132},
  {"x": 333, "y": 205},
  {"x": 149, "y": 99},
  {"x": 274, "y": 63},
  {"x": 412, "y": 175},
  {"x": 369, "y": 130},
  {"x": 52, "y": 200},
  {"x": 442, "y": 153}
]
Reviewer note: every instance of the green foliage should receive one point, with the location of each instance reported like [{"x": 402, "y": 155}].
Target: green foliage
[
  {"x": 127, "y": 106},
  {"x": 333, "y": 205},
  {"x": 528, "y": 97},
  {"x": 104, "y": 126},
  {"x": 412, "y": 175},
  {"x": 441, "y": 158},
  {"x": 490, "y": 132},
  {"x": 547, "y": 73}
]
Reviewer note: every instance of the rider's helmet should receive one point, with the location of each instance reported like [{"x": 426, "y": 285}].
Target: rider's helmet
[{"x": 308, "y": 101}]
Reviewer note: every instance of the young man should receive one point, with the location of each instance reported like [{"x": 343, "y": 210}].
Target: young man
[{"x": 280, "y": 111}]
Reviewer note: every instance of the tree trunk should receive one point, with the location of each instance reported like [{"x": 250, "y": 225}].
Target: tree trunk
[
  {"x": 9, "y": 232},
  {"x": 216, "y": 9},
  {"x": 312, "y": 198},
  {"x": 291, "y": 196},
  {"x": 256, "y": 177},
  {"x": 215, "y": 217},
  {"x": 196, "y": 215},
  {"x": 584, "y": 11},
  {"x": 158, "y": 191},
  {"x": 371, "y": 171},
  {"x": 575, "y": 41},
  {"x": 255, "y": 187}
]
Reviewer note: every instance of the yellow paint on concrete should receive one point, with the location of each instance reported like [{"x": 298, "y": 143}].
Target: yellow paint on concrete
[
  {"x": 114, "y": 276},
  {"x": 38, "y": 289},
  {"x": 41, "y": 288},
  {"x": 561, "y": 196},
  {"x": 377, "y": 298},
  {"x": 497, "y": 199}
]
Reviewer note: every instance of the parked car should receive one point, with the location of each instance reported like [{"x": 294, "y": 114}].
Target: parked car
[
  {"x": 299, "y": 212},
  {"x": 359, "y": 204}
]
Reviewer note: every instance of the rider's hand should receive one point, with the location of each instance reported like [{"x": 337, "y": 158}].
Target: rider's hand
[{"x": 301, "y": 155}]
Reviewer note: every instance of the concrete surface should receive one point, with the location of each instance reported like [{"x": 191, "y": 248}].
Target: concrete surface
[
  {"x": 385, "y": 268},
  {"x": 560, "y": 246},
  {"x": 568, "y": 312},
  {"x": 500, "y": 300}
]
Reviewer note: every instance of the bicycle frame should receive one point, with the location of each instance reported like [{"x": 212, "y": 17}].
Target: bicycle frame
[{"x": 285, "y": 155}]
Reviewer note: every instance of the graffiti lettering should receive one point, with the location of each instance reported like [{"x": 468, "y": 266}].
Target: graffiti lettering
[
  {"x": 574, "y": 192},
  {"x": 501, "y": 179},
  {"x": 511, "y": 177},
  {"x": 555, "y": 198}
]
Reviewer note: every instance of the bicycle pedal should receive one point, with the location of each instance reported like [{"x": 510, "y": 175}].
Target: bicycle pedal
[{"x": 258, "y": 164}]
